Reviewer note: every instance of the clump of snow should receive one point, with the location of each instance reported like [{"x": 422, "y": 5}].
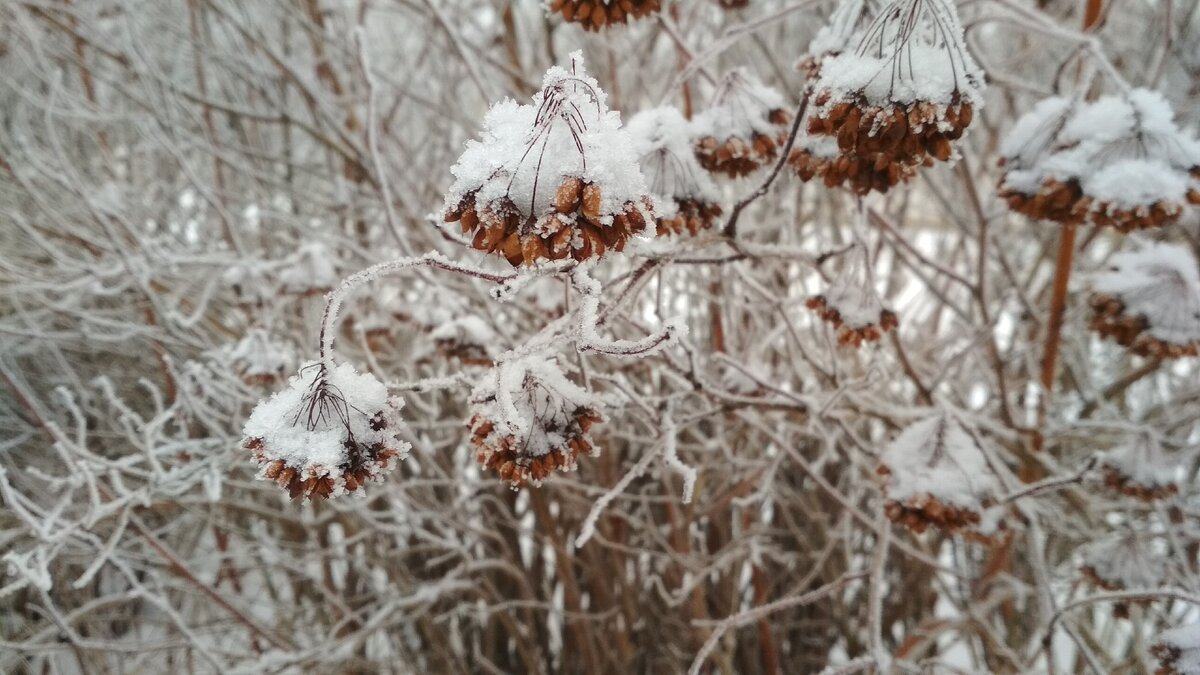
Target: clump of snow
[
  {"x": 1125, "y": 562},
  {"x": 662, "y": 139},
  {"x": 913, "y": 51},
  {"x": 1159, "y": 282},
  {"x": 1125, "y": 152},
  {"x": 531, "y": 399},
  {"x": 527, "y": 150},
  {"x": 328, "y": 422},
  {"x": 845, "y": 22},
  {"x": 1035, "y": 132},
  {"x": 1130, "y": 183},
  {"x": 529, "y": 420},
  {"x": 1178, "y": 650},
  {"x": 1139, "y": 461},
  {"x": 937, "y": 457},
  {"x": 741, "y": 108}
]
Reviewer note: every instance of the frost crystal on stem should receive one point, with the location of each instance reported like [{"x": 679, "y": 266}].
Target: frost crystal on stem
[
  {"x": 685, "y": 197},
  {"x": 895, "y": 102},
  {"x": 555, "y": 179},
  {"x": 528, "y": 420},
  {"x": 936, "y": 475},
  {"x": 1149, "y": 301},
  {"x": 744, "y": 127},
  {"x": 329, "y": 432}
]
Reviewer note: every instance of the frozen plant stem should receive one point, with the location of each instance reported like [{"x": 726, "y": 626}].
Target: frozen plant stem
[{"x": 335, "y": 298}]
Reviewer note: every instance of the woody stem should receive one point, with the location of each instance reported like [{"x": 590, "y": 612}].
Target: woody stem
[{"x": 1058, "y": 303}]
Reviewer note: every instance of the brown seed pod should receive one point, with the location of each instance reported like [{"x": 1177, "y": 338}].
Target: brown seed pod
[
  {"x": 594, "y": 15},
  {"x": 574, "y": 228},
  {"x": 508, "y": 457},
  {"x": 1111, "y": 320}
]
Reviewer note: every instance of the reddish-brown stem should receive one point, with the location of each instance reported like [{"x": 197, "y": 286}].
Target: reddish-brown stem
[{"x": 1058, "y": 305}]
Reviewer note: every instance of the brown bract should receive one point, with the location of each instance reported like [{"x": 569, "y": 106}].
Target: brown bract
[
  {"x": 737, "y": 156},
  {"x": 853, "y": 336},
  {"x": 596, "y": 14},
  {"x": 505, "y": 454},
  {"x": 1058, "y": 201},
  {"x": 1110, "y": 320},
  {"x": 574, "y": 227},
  {"x": 883, "y": 145},
  {"x": 1117, "y": 479},
  {"x": 691, "y": 216}
]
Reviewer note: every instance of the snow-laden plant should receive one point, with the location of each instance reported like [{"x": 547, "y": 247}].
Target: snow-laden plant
[
  {"x": 553, "y": 179},
  {"x": 330, "y": 431},
  {"x": 183, "y": 186},
  {"x": 1120, "y": 161},
  {"x": 1148, "y": 300}
]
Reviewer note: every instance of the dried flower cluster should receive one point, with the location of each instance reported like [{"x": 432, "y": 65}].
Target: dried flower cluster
[
  {"x": 1139, "y": 469},
  {"x": 894, "y": 103},
  {"x": 1178, "y": 651},
  {"x": 685, "y": 197},
  {"x": 1125, "y": 562},
  {"x": 852, "y": 304},
  {"x": 597, "y": 14},
  {"x": 328, "y": 433},
  {"x": 744, "y": 127},
  {"x": 1149, "y": 301},
  {"x": 551, "y": 180},
  {"x": 1120, "y": 161},
  {"x": 528, "y": 421},
  {"x": 937, "y": 475}
]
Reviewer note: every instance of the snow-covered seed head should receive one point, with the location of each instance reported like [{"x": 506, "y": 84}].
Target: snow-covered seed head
[
  {"x": 936, "y": 474},
  {"x": 1120, "y": 161},
  {"x": 1129, "y": 561},
  {"x": 329, "y": 432},
  {"x": 895, "y": 102},
  {"x": 852, "y": 305},
  {"x": 551, "y": 180},
  {"x": 528, "y": 421},
  {"x": 595, "y": 15},
  {"x": 1178, "y": 651},
  {"x": 1138, "y": 468},
  {"x": 1148, "y": 301},
  {"x": 685, "y": 197},
  {"x": 744, "y": 127}
]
